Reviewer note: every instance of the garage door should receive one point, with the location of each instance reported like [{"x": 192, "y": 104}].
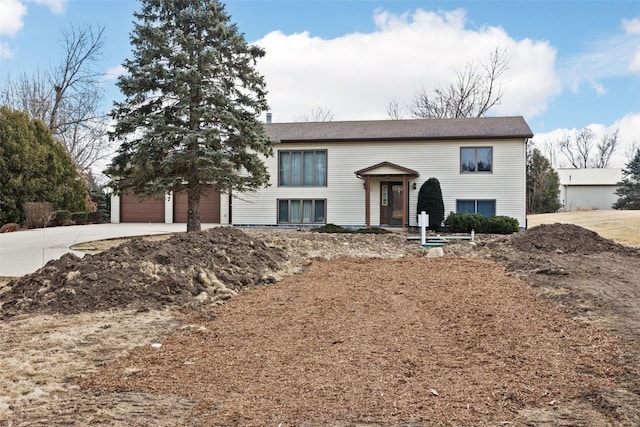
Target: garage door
[
  {"x": 209, "y": 207},
  {"x": 150, "y": 209}
]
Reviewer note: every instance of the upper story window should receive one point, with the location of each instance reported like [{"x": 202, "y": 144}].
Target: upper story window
[
  {"x": 476, "y": 159},
  {"x": 302, "y": 168}
]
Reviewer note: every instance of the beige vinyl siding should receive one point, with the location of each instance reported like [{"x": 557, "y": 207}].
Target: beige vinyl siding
[
  {"x": 506, "y": 183},
  {"x": 345, "y": 193}
]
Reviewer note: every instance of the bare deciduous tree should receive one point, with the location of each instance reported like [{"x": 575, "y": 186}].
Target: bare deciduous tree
[
  {"x": 318, "y": 114},
  {"x": 475, "y": 91},
  {"x": 577, "y": 148},
  {"x": 394, "y": 110},
  {"x": 582, "y": 150},
  {"x": 605, "y": 149},
  {"x": 550, "y": 151},
  {"x": 631, "y": 149},
  {"x": 30, "y": 94},
  {"x": 67, "y": 98}
]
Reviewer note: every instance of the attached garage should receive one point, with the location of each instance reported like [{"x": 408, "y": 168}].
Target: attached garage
[
  {"x": 149, "y": 209},
  {"x": 209, "y": 207}
]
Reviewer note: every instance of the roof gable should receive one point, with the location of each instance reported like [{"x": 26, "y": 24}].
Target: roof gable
[
  {"x": 386, "y": 168},
  {"x": 389, "y": 130}
]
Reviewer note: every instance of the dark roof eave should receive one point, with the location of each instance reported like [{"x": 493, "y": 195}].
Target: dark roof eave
[{"x": 405, "y": 139}]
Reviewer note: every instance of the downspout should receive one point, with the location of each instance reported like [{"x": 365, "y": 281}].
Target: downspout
[
  {"x": 367, "y": 200},
  {"x": 405, "y": 205},
  {"x": 230, "y": 208}
]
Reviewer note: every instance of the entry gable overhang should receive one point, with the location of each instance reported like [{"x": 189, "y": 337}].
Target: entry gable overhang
[{"x": 386, "y": 169}]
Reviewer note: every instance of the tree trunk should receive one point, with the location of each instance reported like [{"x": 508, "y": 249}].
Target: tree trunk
[{"x": 193, "y": 210}]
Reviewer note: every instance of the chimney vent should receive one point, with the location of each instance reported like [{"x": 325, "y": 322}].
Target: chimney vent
[{"x": 269, "y": 116}]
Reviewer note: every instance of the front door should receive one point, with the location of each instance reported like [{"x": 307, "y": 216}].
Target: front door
[{"x": 391, "y": 203}]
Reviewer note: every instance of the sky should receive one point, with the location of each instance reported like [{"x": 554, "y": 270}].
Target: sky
[{"x": 572, "y": 64}]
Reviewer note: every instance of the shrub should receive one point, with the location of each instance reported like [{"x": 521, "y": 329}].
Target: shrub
[
  {"x": 372, "y": 230},
  {"x": 501, "y": 225},
  {"x": 79, "y": 218},
  {"x": 61, "y": 218},
  {"x": 9, "y": 228},
  {"x": 430, "y": 201},
  {"x": 465, "y": 222},
  {"x": 37, "y": 214},
  {"x": 96, "y": 217},
  {"x": 331, "y": 228}
]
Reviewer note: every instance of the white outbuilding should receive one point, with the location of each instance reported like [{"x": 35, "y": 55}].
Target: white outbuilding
[{"x": 588, "y": 188}]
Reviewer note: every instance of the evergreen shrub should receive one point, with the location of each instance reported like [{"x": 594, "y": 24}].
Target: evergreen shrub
[
  {"x": 61, "y": 217},
  {"x": 96, "y": 217},
  {"x": 80, "y": 218},
  {"x": 465, "y": 222}
]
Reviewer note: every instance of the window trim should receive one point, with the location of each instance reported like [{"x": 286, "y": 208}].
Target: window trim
[
  {"x": 301, "y": 200},
  {"x": 475, "y": 205},
  {"x": 289, "y": 170},
  {"x": 476, "y": 148}
]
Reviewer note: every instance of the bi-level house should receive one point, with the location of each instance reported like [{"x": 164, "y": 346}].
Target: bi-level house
[{"x": 368, "y": 173}]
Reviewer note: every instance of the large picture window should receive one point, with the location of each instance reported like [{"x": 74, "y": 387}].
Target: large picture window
[
  {"x": 476, "y": 159},
  {"x": 302, "y": 168},
  {"x": 302, "y": 211},
  {"x": 483, "y": 207}
]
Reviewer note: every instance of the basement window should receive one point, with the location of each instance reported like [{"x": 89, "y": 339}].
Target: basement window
[
  {"x": 305, "y": 211},
  {"x": 485, "y": 208}
]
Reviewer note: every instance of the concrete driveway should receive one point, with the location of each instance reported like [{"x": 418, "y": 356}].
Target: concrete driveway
[{"x": 26, "y": 251}]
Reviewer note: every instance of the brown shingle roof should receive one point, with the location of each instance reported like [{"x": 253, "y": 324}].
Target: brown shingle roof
[{"x": 388, "y": 130}]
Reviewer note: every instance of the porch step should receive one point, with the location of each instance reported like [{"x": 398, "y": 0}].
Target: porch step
[
  {"x": 434, "y": 244},
  {"x": 439, "y": 238}
]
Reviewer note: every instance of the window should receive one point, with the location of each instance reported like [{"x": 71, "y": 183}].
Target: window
[
  {"x": 302, "y": 168},
  {"x": 302, "y": 211},
  {"x": 476, "y": 159},
  {"x": 483, "y": 207}
]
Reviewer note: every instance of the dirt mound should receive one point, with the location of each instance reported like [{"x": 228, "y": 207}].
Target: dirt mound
[
  {"x": 563, "y": 238},
  {"x": 411, "y": 341},
  {"x": 188, "y": 268},
  {"x": 539, "y": 243}
]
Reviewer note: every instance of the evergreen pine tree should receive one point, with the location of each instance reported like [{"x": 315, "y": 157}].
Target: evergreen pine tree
[
  {"x": 629, "y": 188},
  {"x": 430, "y": 201},
  {"x": 190, "y": 120},
  {"x": 543, "y": 184}
]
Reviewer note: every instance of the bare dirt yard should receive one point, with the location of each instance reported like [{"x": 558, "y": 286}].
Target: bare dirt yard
[{"x": 293, "y": 328}]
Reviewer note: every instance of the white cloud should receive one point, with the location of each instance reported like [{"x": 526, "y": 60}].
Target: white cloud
[
  {"x": 357, "y": 74},
  {"x": 55, "y": 6},
  {"x": 12, "y": 17},
  {"x": 5, "y": 51},
  {"x": 114, "y": 72},
  {"x": 634, "y": 65},
  {"x": 612, "y": 57},
  {"x": 628, "y": 128},
  {"x": 631, "y": 26},
  {"x": 12, "y": 14},
  {"x": 598, "y": 88}
]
